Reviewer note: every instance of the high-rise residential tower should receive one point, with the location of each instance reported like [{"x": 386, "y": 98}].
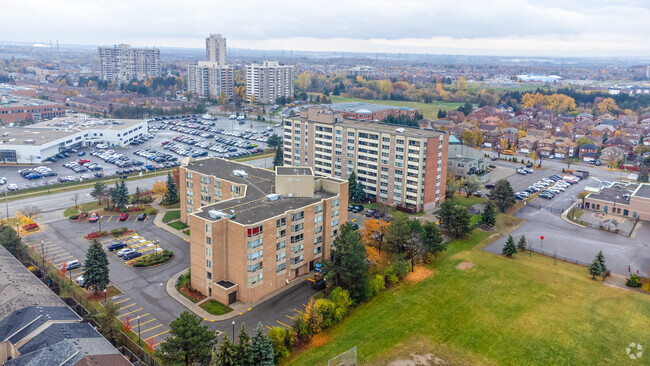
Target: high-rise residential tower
[{"x": 215, "y": 49}]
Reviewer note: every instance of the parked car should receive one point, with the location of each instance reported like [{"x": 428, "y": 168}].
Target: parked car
[
  {"x": 521, "y": 171},
  {"x": 12, "y": 187},
  {"x": 354, "y": 225},
  {"x": 125, "y": 251},
  {"x": 72, "y": 265},
  {"x": 489, "y": 186},
  {"x": 142, "y": 216},
  {"x": 116, "y": 246},
  {"x": 124, "y": 217},
  {"x": 93, "y": 217},
  {"x": 370, "y": 212},
  {"x": 130, "y": 256},
  {"x": 81, "y": 281}
]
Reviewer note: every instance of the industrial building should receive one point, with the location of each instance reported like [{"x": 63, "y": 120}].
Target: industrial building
[{"x": 254, "y": 231}]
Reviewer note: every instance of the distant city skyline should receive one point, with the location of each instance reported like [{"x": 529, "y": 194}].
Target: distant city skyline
[{"x": 469, "y": 27}]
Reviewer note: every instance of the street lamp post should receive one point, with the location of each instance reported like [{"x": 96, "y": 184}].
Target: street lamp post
[
  {"x": 43, "y": 260},
  {"x": 104, "y": 297},
  {"x": 139, "y": 338},
  {"x": 233, "y": 330},
  {"x": 100, "y": 225}
]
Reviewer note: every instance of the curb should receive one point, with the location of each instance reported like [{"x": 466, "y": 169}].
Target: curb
[{"x": 566, "y": 213}]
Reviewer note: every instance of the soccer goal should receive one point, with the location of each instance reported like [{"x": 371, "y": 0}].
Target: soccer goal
[{"x": 347, "y": 358}]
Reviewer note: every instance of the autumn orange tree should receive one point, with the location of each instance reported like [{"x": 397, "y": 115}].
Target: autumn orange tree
[
  {"x": 160, "y": 188},
  {"x": 373, "y": 233}
]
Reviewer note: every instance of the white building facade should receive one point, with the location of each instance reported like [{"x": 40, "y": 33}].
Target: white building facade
[
  {"x": 210, "y": 80},
  {"x": 122, "y": 63},
  {"x": 268, "y": 81}
]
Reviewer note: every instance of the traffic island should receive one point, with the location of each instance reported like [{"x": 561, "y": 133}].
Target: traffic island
[{"x": 153, "y": 259}]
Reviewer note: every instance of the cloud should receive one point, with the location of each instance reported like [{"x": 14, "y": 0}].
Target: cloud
[{"x": 592, "y": 26}]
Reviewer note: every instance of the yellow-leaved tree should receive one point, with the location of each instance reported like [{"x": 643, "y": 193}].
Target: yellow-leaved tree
[{"x": 160, "y": 188}]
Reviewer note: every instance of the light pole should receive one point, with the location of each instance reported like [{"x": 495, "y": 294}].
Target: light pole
[
  {"x": 43, "y": 260},
  {"x": 233, "y": 331},
  {"x": 100, "y": 225},
  {"x": 104, "y": 297},
  {"x": 139, "y": 338}
]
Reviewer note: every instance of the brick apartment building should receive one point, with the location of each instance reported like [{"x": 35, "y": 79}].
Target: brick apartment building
[
  {"x": 397, "y": 165},
  {"x": 15, "y": 108},
  {"x": 253, "y": 231},
  {"x": 371, "y": 112}
]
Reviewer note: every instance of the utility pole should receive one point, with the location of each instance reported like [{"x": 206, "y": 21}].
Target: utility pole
[{"x": 7, "y": 202}]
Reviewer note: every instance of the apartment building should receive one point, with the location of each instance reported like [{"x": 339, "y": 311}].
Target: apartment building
[
  {"x": 122, "y": 63},
  {"x": 215, "y": 49},
  {"x": 268, "y": 81},
  {"x": 399, "y": 166},
  {"x": 16, "y": 108},
  {"x": 209, "y": 79},
  {"x": 253, "y": 231}
]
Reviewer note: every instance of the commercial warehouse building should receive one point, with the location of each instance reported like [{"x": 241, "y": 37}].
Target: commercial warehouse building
[
  {"x": 253, "y": 231},
  {"x": 35, "y": 143},
  {"x": 399, "y": 166}
]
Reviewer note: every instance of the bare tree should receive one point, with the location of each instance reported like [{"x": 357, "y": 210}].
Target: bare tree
[{"x": 31, "y": 211}]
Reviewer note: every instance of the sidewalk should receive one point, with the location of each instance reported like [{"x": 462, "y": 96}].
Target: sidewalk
[
  {"x": 617, "y": 280},
  {"x": 238, "y": 308},
  {"x": 159, "y": 217}
]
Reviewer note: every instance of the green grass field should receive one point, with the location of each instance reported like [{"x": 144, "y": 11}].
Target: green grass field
[
  {"x": 171, "y": 216},
  {"x": 429, "y": 110},
  {"x": 178, "y": 225},
  {"x": 503, "y": 311},
  {"x": 215, "y": 307}
]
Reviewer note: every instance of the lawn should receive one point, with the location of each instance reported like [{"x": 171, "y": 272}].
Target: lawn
[
  {"x": 88, "y": 206},
  {"x": 507, "y": 311},
  {"x": 187, "y": 232},
  {"x": 463, "y": 200},
  {"x": 429, "y": 110},
  {"x": 171, "y": 216},
  {"x": 214, "y": 307},
  {"x": 178, "y": 225}
]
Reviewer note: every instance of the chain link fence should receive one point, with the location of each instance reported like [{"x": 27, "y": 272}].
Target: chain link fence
[{"x": 347, "y": 358}]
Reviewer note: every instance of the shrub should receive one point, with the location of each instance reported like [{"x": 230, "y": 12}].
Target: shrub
[
  {"x": 633, "y": 281},
  {"x": 401, "y": 268},
  {"x": 326, "y": 310},
  {"x": 74, "y": 217},
  {"x": 116, "y": 232},
  {"x": 282, "y": 340},
  {"x": 154, "y": 259},
  {"x": 376, "y": 285},
  {"x": 147, "y": 199},
  {"x": 342, "y": 302},
  {"x": 391, "y": 277}
]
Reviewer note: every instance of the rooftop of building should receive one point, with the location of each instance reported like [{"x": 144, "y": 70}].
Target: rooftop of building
[
  {"x": 390, "y": 129},
  {"x": 12, "y": 100},
  {"x": 643, "y": 191},
  {"x": 287, "y": 170},
  {"x": 615, "y": 192},
  {"x": 254, "y": 206}
]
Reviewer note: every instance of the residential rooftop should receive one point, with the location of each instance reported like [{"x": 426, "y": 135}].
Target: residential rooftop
[
  {"x": 253, "y": 206},
  {"x": 285, "y": 170}
]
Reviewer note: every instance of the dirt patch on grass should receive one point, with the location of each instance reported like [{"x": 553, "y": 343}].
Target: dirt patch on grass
[
  {"x": 319, "y": 340},
  {"x": 465, "y": 265},
  {"x": 420, "y": 273},
  {"x": 416, "y": 360}
]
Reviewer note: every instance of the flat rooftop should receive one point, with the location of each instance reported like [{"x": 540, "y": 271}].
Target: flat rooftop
[
  {"x": 389, "y": 129},
  {"x": 615, "y": 193},
  {"x": 360, "y": 107},
  {"x": 13, "y": 100},
  {"x": 286, "y": 170},
  {"x": 81, "y": 122},
  {"x": 643, "y": 191},
  {"x": 253, "y": 207}
]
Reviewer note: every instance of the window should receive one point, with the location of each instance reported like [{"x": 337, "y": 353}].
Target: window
[
  {"x": 255, "y": 279},
  {"x": 318, "y": 250},
  {"x": 297, "y": 227},
  {"x": 208, "y": 263},
  {"x": 209, "y": 275},
  {"x": 281, "y": 245},
  {"x": 318, "y": 229},
  {"x": 208, "y": 252},
  {"x": 235, "y": 189},
  {"x": 335, "y": 213},
  {"x": 208, "y": 228},
  {"x": 318, "y": 219},
  {"x": 188, "y": 175},
  {"x": 281, "y": 222},
  {"x": 296, "y": 238},
  {"x": 297, "y": 249},
  {"x": 206, "y": 180},
  {"x": 217, "y": 184},
  {"x": 335, "y": 202},
  {"x": 208, "y": 240},
  {"x": 254, "y": 231},
  {"x": 281, "y": 267},
  {"x": 297, "y": 216},
  {"x": 254, "y": 256},
  {"x": 296, "y": 260},
  {"x": 254, "y": 267},
  {"x": 335, "y": 222},
  {"x": 254, "y": 243},
  {"x": 282, "y": 233},
  {"x": 319, "y": 208},
  {"x": 188, "y": 184}
]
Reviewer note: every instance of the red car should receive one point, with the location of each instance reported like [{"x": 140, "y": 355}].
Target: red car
[
  {"x": 93, "y": 217},
  {"x": 124, "y": 217},
  {"x": 83, "y": 161}
]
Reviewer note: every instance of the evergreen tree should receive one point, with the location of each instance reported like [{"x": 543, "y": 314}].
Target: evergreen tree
[
  {"x": 398, "y": 232},
  {"x": 106, "y": 319},
  {"x": 341, "y": 86},
  {"x": 172, "y": 191},
  {"x": 136, "y": 196},
  {"x": 359, "y": 194},
  {"x": 462, "y": 220},
  {"x": 465, "y": 108},
  {"x": 601, "y": 261},
  {"x": 643, "y": 171},
  {"x": 262, "y": 348},
  {"x": 244, "y": 354},
  {"x": 98, "y": 191},
  {"x": 352, "y": 184},
  {"x": 594, "y": 269},
  {"x": 348, "y": 267},
  {"x": 190, "y": 342},
  {"x": 278, "y": 160},
  {"x": 509, "y": 248},
  {"x": 227, "y": 355},
  {"x": 489, "y": 215},
  {"x": 121, "y": 193},
  {"x": 521, "y": 245},
  {"x": 11, "y": 241},
  {"x": 446, "y": 215},
  {"x": 503, "y": 194},
  {"x": 432, "y": 239},
  {"x": 96, "y": 267},
  {"x": 442, "y": 113}
]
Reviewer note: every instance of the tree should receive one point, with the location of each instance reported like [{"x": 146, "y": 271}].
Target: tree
[
  {"x": 172, "y": 190},
  {"x": 96, "y": 267},
  {"x": 348, "y": 266},
  {"x": 262, "y": 348},
  {"x": 398, "y": 232},
  {"x": 190, "y": 342},
  {"x": 244, "y": 354},
  {"x": 453, "y": 185},
  {"x": 352, "y": 184},
  {"x": 607, "y": 105},
  {"x": 446, "y": 215},
  {"x": 643, "y": 170},
  {"x": 594, "y": 269},
  {"x": 136, "y": 196},
  {"x": 160, "y": 188},
  {"x": 432, "y": 238},
  {"x": 472, "y": 184},
  {"x": 278, "y": 160},
  {"x": 107, "y": 321},
  {"x": 503, "y": 194},
  {"x": 359, "y": 194},
  {"x": 414, "y": 248},
  {"x": 521, "y": 245},
  {"x": 31, "y": 211},
  {"x": 274, "y": 140},
  {"x": 466, "y": 108},
  {"x": 489, "y": 215},
  {"x": 461, "y": 84},
  {"x": 120, "y": 195},
  {"x": 509, "y": 248},
  {"x": 468, "y": 138},
  {"x": 461, "y": 223},
  {"x": 601, "y": 261},
  {"x": 227, "y": 355},
  {"x": 11, "y": 241},
  {"x": 374, "y": 232},
  {"x": 282, "y": 339},
  {"x": 99, "y": 191},
  {"x": 583, "y": 141}
]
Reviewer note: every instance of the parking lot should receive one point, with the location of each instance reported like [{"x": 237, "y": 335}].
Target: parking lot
[{"x": 159, "y": 134}]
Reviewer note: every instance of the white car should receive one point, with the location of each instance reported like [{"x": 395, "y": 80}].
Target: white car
[
  {"x": 3, "y": 181},
  {"x": 125, "y": 251},
  {"x": 12, "y": 187}
]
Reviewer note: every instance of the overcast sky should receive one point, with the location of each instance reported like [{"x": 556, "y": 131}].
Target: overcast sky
[{"x": 475, "y": 27}]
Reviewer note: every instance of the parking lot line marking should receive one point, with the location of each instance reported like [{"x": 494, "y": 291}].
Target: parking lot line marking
[
  {"x": 289, "y": 317},
  {"x": 49, "y": 245},
  {"x": 47, "y": 255},
  {"x": 109, "y": 219},
  {"x": 148, "y": 321},
  {"x": 353, "y": 220},
  {"x": 269, "y": 327},
  {"x": 130, "y": 312},
  {"x": 167, "y": 331},
  {"x": 154, "y": 327},
  {"x": 124, "y": 307},
  {"x": 147, "y": 218},
  {"x": 61, "y": 260},
  {"x": 283, "y": 324},
  {"x": 128, "y": 298}
]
